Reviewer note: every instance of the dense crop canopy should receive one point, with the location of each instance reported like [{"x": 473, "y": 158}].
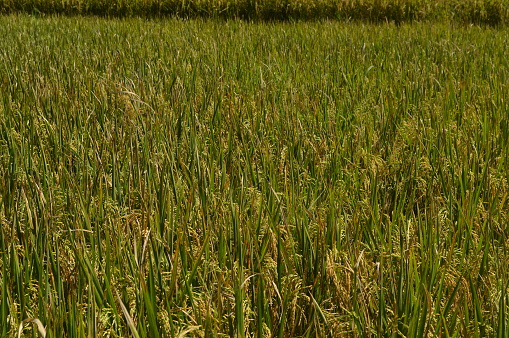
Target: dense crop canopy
[{"x": 211, "y": 178}]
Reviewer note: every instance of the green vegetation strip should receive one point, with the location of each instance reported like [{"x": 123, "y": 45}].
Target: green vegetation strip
[
  {"x": 489, "y": 12},
  {"x": 211, "y": 178}
]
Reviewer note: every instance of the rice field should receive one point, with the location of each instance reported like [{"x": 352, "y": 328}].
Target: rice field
[{"x": 224, "y": 178}]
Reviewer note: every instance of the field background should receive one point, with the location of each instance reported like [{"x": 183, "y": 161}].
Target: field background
[
  {"x": 486, "y": 12},
  {"x": 224, "y": 178}
]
